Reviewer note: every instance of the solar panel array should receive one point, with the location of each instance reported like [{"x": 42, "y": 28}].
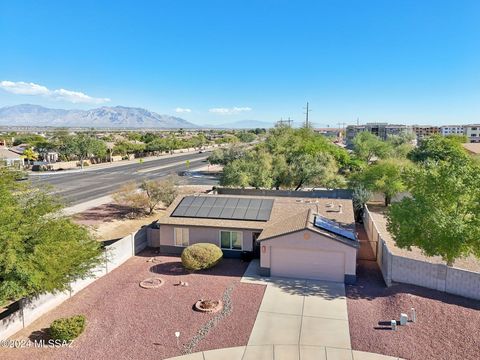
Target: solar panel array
[
  {"x": 333, "y": 227},
  {"x": 224, "y": 208}
]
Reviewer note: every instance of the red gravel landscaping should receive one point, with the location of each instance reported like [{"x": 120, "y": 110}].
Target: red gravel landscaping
[
  {"x": 447, "y": 326},
  {"x": 125, "y": 321}
]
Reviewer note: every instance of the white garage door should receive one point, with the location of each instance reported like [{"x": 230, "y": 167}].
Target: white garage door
[{"x": 307, "y": 264}]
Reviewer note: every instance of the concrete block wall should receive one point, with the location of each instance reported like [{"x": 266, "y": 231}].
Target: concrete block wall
[
  {"x": 115, "y": 254},
  {"x": 463, "y": 283},
  {"x": 410, "y": 271}
]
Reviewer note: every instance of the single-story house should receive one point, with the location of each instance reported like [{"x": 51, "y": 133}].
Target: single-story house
[
  {"x": 10, "y": 158},
  {"x": 293, "y": 237}
]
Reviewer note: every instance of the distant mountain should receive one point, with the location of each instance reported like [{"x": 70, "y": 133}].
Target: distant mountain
[
  {"x": 104, "y": 117},
  {"x": 243, "y": 124}
]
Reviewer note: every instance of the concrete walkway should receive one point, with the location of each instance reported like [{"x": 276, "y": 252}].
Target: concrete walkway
[
  {"x": 297, "y": 320},
  {"x": 282, "y": 352}
]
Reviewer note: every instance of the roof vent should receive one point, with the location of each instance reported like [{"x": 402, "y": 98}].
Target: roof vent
[{"x": 340, "y": 209}]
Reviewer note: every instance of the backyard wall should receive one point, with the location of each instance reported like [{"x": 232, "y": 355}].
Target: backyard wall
[
  {"x": 402, "y": 269},
  {"x": 115, "y": 254},
  {"x": 329, "y": 194}
]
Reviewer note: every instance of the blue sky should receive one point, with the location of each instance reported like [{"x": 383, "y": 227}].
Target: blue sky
[{"x": 396, "y": 61}]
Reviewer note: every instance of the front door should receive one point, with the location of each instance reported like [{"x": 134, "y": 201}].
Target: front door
[{"x": 256, "y": 245}]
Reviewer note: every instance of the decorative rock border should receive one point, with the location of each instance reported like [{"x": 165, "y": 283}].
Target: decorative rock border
[
  {"x": 214, "y": 321},
  {"x": 218, "y": 305},
  {"x": 152, "y": 283}
]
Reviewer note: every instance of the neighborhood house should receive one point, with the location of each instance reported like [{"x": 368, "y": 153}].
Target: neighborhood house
[{"x": 292, "y": 237}]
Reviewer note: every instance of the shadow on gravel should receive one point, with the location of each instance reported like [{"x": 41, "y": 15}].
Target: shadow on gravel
[
  {"x": 42, "y": 334},
  {"x": 370, "y": 285},
  {"x": 172, "y": 266}
]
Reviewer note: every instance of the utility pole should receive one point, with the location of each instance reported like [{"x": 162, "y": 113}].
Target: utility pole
[
  {"x": 306, "y": 116},
  {"x": 282, "y": 122}
]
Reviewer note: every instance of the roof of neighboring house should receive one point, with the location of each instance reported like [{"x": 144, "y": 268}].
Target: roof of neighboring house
[
  {"x": 7, "y": 154},
  {"x": 473, "y": 148},
  {"x": 282, "y": 210}
]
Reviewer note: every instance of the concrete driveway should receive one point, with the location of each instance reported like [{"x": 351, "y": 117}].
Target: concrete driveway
[
  {"x": 302, "y": 312},
  {"x": 301, "y": 320},
  {"x": 297, "y": 320}
]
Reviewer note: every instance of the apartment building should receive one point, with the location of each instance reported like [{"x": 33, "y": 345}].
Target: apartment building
[
  {"x": 446, "y": 130},
  {"x": 422, "y": 131},
  {"x": 472, "y": 132},
  {"x": 382, "y": 130}
]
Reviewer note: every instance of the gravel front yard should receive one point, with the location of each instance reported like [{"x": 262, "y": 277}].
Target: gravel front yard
[
  {"x": 447, "y": 326},
  {"x": 125, "y": 321}
]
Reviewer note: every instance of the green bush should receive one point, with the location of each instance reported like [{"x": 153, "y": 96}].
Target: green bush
[
  {"x": 201, "y": 256},
  {"x": 67, "y": 328}
]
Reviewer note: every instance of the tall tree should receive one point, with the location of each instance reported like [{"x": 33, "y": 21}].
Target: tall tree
[
  {"x": 385, "y": 176},
  {"x": 83, "y": 146},
  {"x": 442, "y": 216},
  {"x": 439, "y": 148},
  {"x": 40, "y": 250},
  {"x": 30, "y": 155},
  {"x": 368, "y": 146}
]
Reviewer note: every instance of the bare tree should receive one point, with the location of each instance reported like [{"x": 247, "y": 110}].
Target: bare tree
[{"x": 147, "y": 196}]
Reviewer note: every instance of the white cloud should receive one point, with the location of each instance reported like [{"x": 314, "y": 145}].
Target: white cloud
[
  {"x": 229, "y": 111},
  {"x": 183, "y": 110},
  {"x": 24, "y": 88}
]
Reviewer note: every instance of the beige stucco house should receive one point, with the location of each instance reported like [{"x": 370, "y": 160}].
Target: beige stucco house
[{"x": 293, "y": 237}]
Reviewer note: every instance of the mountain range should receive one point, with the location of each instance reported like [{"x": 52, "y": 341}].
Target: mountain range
[
  {"x": 107, "y": 117},
  {"x": 103, "y": 117}
]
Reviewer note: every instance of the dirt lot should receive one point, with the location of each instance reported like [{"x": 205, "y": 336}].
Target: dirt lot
[
  {"x": 114, "y": 221},
  {"x": 125, "y": 321},
  {"x": 447, "y": 327}
]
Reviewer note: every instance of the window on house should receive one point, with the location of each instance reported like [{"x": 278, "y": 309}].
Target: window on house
[
  {"x": 231, "y": 240},
  {"x": 181, "y": 236}
]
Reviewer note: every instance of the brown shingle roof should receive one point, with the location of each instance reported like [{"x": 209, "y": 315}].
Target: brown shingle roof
[
  {"x": 298, "y": 222},
  {"x": 285, "y": 226}
]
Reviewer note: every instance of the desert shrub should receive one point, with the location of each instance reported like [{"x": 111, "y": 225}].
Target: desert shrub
[
  {"x": 201, "y": 256},
  {"x": 67, "y": 328}
]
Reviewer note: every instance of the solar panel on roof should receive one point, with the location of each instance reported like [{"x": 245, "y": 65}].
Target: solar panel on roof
[
  {"x": 255, "y": 203},
  {"x": 204, "y": 211},
  {"x": 239, "y": 213},
  {"x": 333, "y": 227},
  {"x": 251, "y": 214},
  {"x": 180, "y": 210},
  {"x": 227, "y": 213},
  {"x": 198, "y": 201},
  {"x": 231, "y": 203},
  {"x": 214, "y": 212},
  {"x": 224, "y": 208},
  {"x": 243, "y": 203},
  {"x": 188, "y": 200},
  {"x": 263, "y": 215}
]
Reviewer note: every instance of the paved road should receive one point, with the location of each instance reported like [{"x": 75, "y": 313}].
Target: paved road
[{"x": 78, "y": 187}]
